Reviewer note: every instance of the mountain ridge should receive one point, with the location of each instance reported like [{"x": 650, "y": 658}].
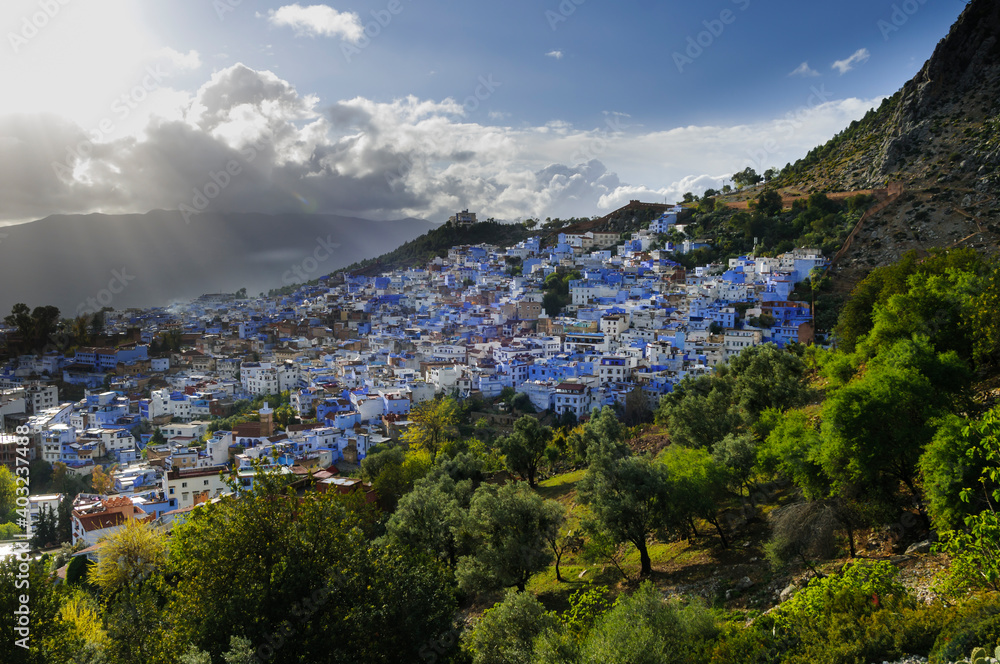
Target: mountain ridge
[
  {"x": 939, "y": 137},
  {"x": 69, "y": 260},
  {"x": 948, "y": 108}
]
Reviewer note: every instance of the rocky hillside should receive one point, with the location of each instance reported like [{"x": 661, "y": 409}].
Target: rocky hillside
[
  {"x": 939, "y": 136},
  {"x": 941, "y": 128}
]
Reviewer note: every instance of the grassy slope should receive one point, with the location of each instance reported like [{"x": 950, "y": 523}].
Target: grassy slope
[{"x": 701, "y": 566}]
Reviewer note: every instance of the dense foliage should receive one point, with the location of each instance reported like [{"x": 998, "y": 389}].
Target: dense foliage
[{"x": 888, "y": 431}]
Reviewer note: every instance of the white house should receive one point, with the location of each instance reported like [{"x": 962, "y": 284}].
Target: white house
[{"x": 191, "y": 486}]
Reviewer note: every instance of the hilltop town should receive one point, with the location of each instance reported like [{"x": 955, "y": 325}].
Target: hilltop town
[{"x": 587, "y": 322}]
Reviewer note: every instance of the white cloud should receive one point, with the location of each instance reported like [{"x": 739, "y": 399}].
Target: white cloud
[
  {"x": 380, "y": 160},
  {"x": 804, "y": 70},
  {"x": 859, "y": 56},
  {"x": 555, "y": 54},
  {"x": 318, "y": 20},
  {"x": 672, "y": 193},
  {"x": 177, "y": 60}
]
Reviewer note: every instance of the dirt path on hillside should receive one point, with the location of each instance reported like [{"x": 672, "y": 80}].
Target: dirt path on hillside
[{"x": 789, "y": 196}]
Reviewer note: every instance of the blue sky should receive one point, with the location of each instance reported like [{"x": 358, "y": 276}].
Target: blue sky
[{"x": 515, "y": 109}]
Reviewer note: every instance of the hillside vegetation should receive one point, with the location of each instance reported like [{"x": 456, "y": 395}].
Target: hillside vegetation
[
  {"x": 768, "y": 529},
  {"x": 437, "y": 242}
]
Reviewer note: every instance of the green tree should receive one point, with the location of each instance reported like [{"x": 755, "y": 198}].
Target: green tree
[
  {"x": 48, "y": 636},
  {"x": 603, "y": 436},
  {"x": 552, "y": 303},
  {"x": 34, "y": 327},
  {"x": 97, "y": 322},
  {"x": 696, "y": 485},
  {"x": 45, "y": 322},
  {"x": 131, "y": 555},
  {"x": 506, "y": 633},
  {"x": 952, "y": 462},
  {"x": 793, "y": 449},
  {"x": 46, "y": 529},
  {"x": 644, "y": 629},
  {"x": 8, "y": 494},
  {"x": 466, "y": 470},
  {"x": 855, "y": 320},
  {"x": 975, "y": 558},
  {"x": 64, "y": 530},
  {"x": 522, "y": 402},
  {"x": 524, "y": 448},
  {"x": 875, "y": 428},
  {"x": 768, "y": 203},
  {"x": 20, "y": 317},
  {"x": 269, "y": 562},
  {"x": 636, "y": 407},
  {"x": 934, "y": 305},
  {"x": 767, "y": 377},
  {"x": 284, "y": 415},
  {"x": 172, "y": 339},
  {"x": 139, "y": 629},
  {"x": 562, "y": 540},
  {"x": 510, "y": 527},
  {"x": 737, "y": 454},
  {"x": 433, "y": 423},
  {"x": 629, "y": 499},
  {"x": 393, "y": 472},
  {"x": 81, "y": 331},
  {"x": 983, "y": 321},
  {"x": 959, "y": 271},
  {"x": 700, "y": 411},
  {"x": 748, "y": 177},
  {"x": 429, "y": 519}
]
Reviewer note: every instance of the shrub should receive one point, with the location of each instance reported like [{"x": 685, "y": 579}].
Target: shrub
[
  {"x": 976, "y": 626},
  {"x": 643, "y": 628},
  {"x": 759, "y": 643},
  {"x": 862, "y": 614},
  {"x": 859, "y": 589},
  {"x": 919, "y": 627},
  {"x": 505, "y": 634},
  {"x": 77, "y": 570}
]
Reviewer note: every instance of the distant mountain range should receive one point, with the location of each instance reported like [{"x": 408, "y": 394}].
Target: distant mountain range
[{"x": 81, "y": 262}]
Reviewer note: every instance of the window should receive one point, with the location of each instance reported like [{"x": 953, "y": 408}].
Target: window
[
  {"x": 171, "y": 491},
  {"x": 184, "y": 485}
]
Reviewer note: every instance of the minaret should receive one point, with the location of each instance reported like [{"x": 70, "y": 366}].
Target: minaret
[{"x": 266, "y": 421}]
